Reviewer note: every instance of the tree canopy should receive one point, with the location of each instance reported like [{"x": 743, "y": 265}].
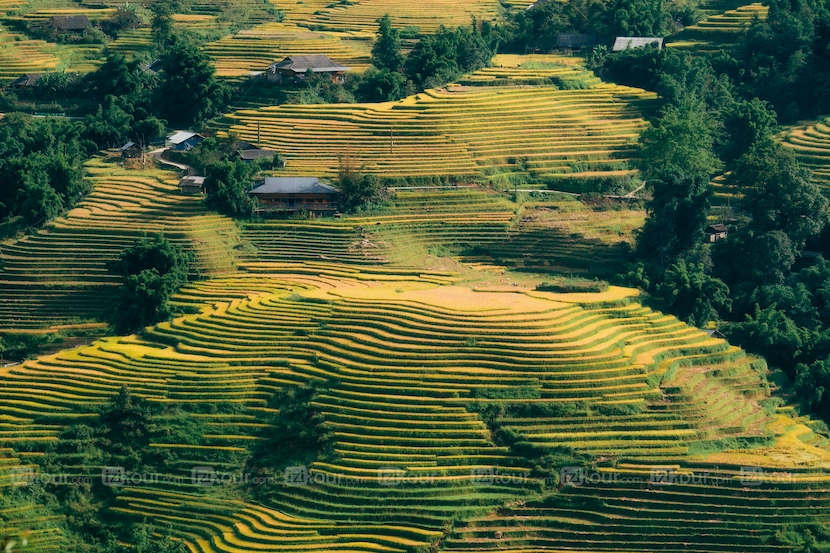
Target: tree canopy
[{"x": 152, "y": 270}]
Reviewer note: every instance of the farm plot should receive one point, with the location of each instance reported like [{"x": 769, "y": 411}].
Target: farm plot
[
  {"x": 424, "y": 16},
  {"x": 401, "y": 362},
  {"x": 255, "y": 49},
  {"x": 460, "y": 132},
  {"x": 811, "y": 144},
  {"x": 59, "y": 273},
  {"x": 718, "y": 28},
  {"x": 470, "y": 223},
  {"x": 19, "y": 56},
  {"x": 697, "y": 508}
]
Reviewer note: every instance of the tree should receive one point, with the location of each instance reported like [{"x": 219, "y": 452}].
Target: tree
[
  {"x": 386, "y": 52},
  {"x": 39, "y": 202},
  {"x": 40, "y": 166},
  {"x": 161, "y": 25},
  {"x": 636, "y": 18},
  {"x": 227, "y": 184},
  {"x": 676, "y": 215},
  {"x": 126, "y": 429},
  {"x": 780, "y": 194},
  {"x": 812, "y": 386},
  {"x": 152, "y": 269},
  {"x": 189, "y": 91},
  {"x": 745, "y": 123},
  {"x": 692, "y": 295},
  {"x": 381, "y": 86},
  {"x": 772, "y": 256},
  {"x": 683, "y": 139},
  {"x": 441, "y": 57},
  {"x": 357, "y": 187},
  {"x": 771, "y": 333},
  {"x": 110, "y": 125},
  {"x": 122, "y": 79}
]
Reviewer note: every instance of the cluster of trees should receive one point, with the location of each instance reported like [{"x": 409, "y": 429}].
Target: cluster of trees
[
  {"x": 293, "y": 433},
  {"x": 537, "y": 28},
  {"x": 152, "y": 269},
  {"x": 41, "y": 170},
  {"x": 41, "y": 160},
  {"x": 711, "y": 122},
  {"x": 135, "y": 103},
  {"x": 119, "y": 436},
  {"x": 781, "y": 61}
]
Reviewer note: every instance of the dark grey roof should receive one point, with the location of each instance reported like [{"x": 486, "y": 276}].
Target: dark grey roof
[
  {"x": 626, "y": 42},
  {"x": 252, "y": 154},
  {"x": 30, "y": 79},
  {"x": 192, "y": 181},
  {"x": 576, "y": 40},
  {"x": 183, "y": 136},
  {"x": 537, "y": 4},
  {"x": 70, "y": 22},
  {"x": 293, "y": 185},
  {"x": 128, "y": 145},
  {"x": 716, "y": 228},
  {"x": 317, "y": 63},
  {"x": 153, "y": 66}
]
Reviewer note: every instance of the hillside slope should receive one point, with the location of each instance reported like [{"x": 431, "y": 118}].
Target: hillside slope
[
  {"x": 416, "y": 378},
  {"x": 58, "y": 275}
]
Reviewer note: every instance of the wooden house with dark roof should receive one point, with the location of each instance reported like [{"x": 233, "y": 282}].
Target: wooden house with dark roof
[
  {"x": 292, "y": 194},
  {"x": 629, "y": 42},
  {"x": 69, "y": 23},
  {"x": 29, "y": 80},
  {"x": 716, "y": 232},
  {"x": 252, "y": 154},
  {"x": 131, "y": 150},
  {"x": 295, "y": 68},
  {"x": 577, "y": 41},
  {"x": 192, "y": 185}
]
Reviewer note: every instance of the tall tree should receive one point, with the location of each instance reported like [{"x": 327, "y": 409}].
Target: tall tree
[
  {"x": 152, "y": 270},
  {"x": 677, "y": 161},
  {"x": 386, "y": 52},
  {"x": 227, "y": 184},
  {"x": 189, "y": 92},
  {"x": 161, "y": 25},
  {"x": 683, "y": 139},
  {"x": 779, "y": 192}
]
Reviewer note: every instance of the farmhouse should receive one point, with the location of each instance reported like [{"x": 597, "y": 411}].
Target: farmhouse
[
  {"x": 627, "y": 42},
  {"x": 131, "y": 150},
  {"x": 29, "y": 80},
  {"x": 192, "y": 185},
  {"x": 290, "y": 194},
  {"x": 153, "y": 67},
  {"x": 64, "y": 23},
  {"x": 295, "y": 68},
  {"x": 184, "y": 140},
  {"x": 576, "y": 41},
  {"x": 252, "y": 154},
  {"x": 716, "y": 232}
]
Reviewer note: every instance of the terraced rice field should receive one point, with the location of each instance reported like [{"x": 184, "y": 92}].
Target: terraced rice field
[
  {"x": 58, "y": 275},
  {"x": 19, "y": 56},
  {"x": 715, "y": 514},
  {"x": 255, "y": 49},
  {"x": 404, "y": 362},
  {"x": 460, "y": 132},
  {"x": 718, "y": 28},
  {"x": 475, "y": 224},
  {"x": 362, "y": 15},
  {"x": 811, "y": 144}
]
